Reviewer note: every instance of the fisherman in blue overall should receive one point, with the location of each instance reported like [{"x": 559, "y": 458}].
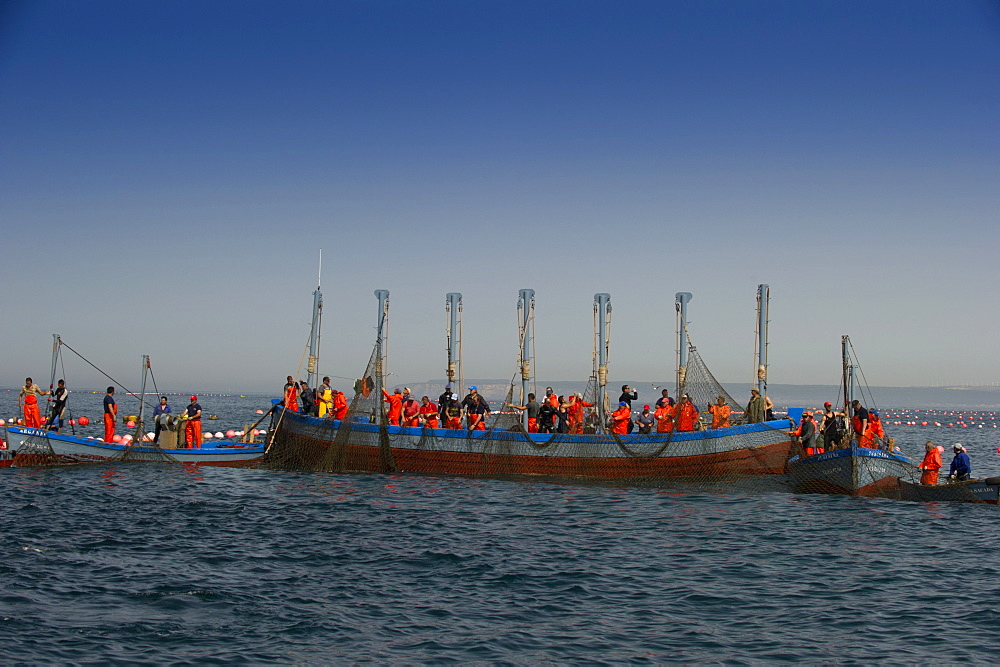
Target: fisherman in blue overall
[{"x": 961, "y": 466}]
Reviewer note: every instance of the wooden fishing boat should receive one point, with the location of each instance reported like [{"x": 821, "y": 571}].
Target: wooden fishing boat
[
  {"x": 365, "y": 442},
  {"x": 970, "y": 491},
  {"x": 35, "y": 446},
  {"x": 852, "y": 470}
]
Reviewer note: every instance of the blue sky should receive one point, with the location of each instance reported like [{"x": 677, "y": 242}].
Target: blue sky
[{"x": 169, "y": 171}]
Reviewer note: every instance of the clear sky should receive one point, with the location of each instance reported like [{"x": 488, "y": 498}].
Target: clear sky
[{"x": 170, "y": 170}]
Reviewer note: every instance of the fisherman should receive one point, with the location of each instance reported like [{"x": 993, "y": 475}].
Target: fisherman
[
  {"x": 664, "y": 415},
  {"x": 629, "y": 395},
  {"x": 621, "y": 418},
  {"x": 576, "y": 406},
  {"x": 453, "y": 413},
  {"x": 551, "y": 398},
  {"x": 832, "y": 427},
  {"x": 532, "y": 407},
  {"x": 324, "y": 398},
  {"x": 192, "y": 431},
  {"x": 756, "y": 409},
  {"x": 160, "y": 418},
  {"x": 875, "y": 427},
  {"x": 476, "y": 409},
  {"x": 562, "y": 415},
  {"x": 110, "y": 415},
  {"x": 60, "y": 395},
  {"x": 961, "y": 466},
  {"x": 645, "y": 420},
  {"x": 859, "y": 423},
  {"x": 720, "y": 413},
  {"x": 428, "y": 413},
  {"x": 411, "y": 409},
  {"x": 768, "y": 409},
  {"x": 806, "y": 434},
  {"x": 546, "y": 417},
  {"x": 339, "y": 405},
  {"x": 308, "y": 398},
  {"x": 664, "y": 398},
  {"x": 443, "y": 400},
  {"x": 27, "y": 399},
  {"x": 291, "y": 395},
  {"x": 395, "y": 401},
  {"x": 687, "y": 415},
  {"x": 931, "y": 465}
]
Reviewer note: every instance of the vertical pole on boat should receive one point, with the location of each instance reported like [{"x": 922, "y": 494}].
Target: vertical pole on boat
[
  {"x": 602, "y": 309},
  {"x": 763, "y": 304},
  {"x": 525, "y": 318},
  {"x": 846, "y": 375},
  {"x": 312, "y": 366},
  {"x": 453, "y": 308},
  {"x": 381, "y": 332},
  {"x": 52, "y": 375},
  {"x": 142, "y": 397},
  {"x": 681, "y": 300}
]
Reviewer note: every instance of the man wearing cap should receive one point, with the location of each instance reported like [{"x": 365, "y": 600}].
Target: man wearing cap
[
  {"x": 621, "y": 418},
  {"x": 720, "y": 413},
  {"x": 755, "y": 408},
  {"x": 192, "y": 431},
  {"x": 395, "y": 401},
  {"x": 339, "y": 405},
  {"x": 859, "y": 423},
  {"x": 443, "y": 400},
  {"x": 961, "y": 466},
  {"x": 453, "y": 413},
  {"x": 476, "y": 409},
  {"x": 832, "y": 427},
  {"x": 687, "y": 415},
  {"x": 411, "y": 409},
  {"x": 324, "y": 398},
  {"x": 806, "y": 433}
]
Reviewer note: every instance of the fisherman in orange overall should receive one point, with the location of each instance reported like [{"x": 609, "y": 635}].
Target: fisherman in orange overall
[
  {"x": 28, "y": 400},
  {"x": 806, "y": 432},
  {"x": 453, "y": 413},
  {"x": 875, "y": 427},
  {"x": 192, "y": 430},
  {"x": 687, "y": 415},
  {"x": 291, "y": 395},
  {"x": 110, "y": 415},
  {"x": 620, "y": 418},
  {"x": 428, "y": 412},
  {"x": 339, "y": 405},
  {"x": 665, "y": 417},
  {"x": 931, "y": 464},
  {"x": 476, "y": 410},
  {"x": 576, "y": 406},
  {"x": 859, "y": 422},
  {"x": 720, "y": 413},
  {"x": 411, "y": 409},
  {"x": 395, "y": 401}
]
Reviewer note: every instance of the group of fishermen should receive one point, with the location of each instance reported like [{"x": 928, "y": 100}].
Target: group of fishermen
[
  {"x": 831, "y": 433},
  {"x": 27, "y": 401}
]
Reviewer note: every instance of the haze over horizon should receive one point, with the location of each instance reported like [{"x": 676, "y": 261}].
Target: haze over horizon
[{"x": 170, "y": 170}]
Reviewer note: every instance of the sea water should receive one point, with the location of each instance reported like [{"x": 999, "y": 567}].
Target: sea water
[{"x": 154, "y": 563}]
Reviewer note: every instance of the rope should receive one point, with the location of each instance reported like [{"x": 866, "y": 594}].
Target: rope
[{"x": 124, "y": 388}]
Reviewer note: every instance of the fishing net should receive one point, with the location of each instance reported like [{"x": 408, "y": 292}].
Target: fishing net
[{"x": 365, "y": 442}]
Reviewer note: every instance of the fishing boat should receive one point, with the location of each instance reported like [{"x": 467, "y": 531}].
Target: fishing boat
[
  {"x": 35, "y": 446},
  {"x": 364, "y": 441},
  {"x": 850, "y": 470},
  {"x": 970, "y": 491}
]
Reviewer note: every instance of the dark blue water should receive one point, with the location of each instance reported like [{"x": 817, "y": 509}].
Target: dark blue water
[{"x": 158, "y": 563}]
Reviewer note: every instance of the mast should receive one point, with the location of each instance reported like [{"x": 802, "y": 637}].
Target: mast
[
  {"x": 846, "y": 374},
  {"x": 602, "y": 315},
  {"x": 525, "y": 319},
  {"x": 453, "y": 309},
  {"x": 380, "y": 341},
  {"x": 142, "y": 396},
  {"x": 763, "y": 305},
  {"x": 314, "y": 331},
  {"x": 55, "y": 356},
  {"x": 681, "y": 300}
]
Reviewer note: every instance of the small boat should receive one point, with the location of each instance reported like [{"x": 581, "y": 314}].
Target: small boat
[
  {"x": 852, "y": 470},
  {"x": 35, "y": 446},
  {"x": 970, "y": 491}
]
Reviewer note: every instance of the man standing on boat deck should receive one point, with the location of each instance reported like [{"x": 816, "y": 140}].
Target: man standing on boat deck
[
  {"x": 664, "y": 398},
  {"x": 110, "y": 415},
  {"x": 859, "y": 422},
  {"x": 308, "y": 398},
  {"x": 621, "y": 418},
  {"x": 755, "y": 408},
  {"x": 629, "y": 395},
  {"x": 961, "y": 466},
  {"x": 832, "y": 427},
  {"x": 160, "y": 416},
  {"x": 476, "y": 410},
  {"x": 931, "y": 464},
  {"x": 339, "y": 405},
  {"x": 395, "y": 401},
  {"x": 453, "y": 413},
  {"x": 59, "y": 397},
  {"x": 428, "y": 412},
  {"x": 291, "y": 395},
  {"x": 411, "y": 409},
  {"x": 443, "y": 400},
  {"x": 720, "y": 413},
  {"x": 324, "y": 398},
  {"x": 28, "y": 400},
  {"x": 687, "y": 415},
  {"x": 192, "y": 431}
]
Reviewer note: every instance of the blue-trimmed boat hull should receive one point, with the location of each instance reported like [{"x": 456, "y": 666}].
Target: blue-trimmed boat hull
[{"x": 853, "y": 471}]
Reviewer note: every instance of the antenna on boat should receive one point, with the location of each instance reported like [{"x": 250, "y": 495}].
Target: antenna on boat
[
  {"x": 453, "y": 309},
  {"x": 312, "y": 364},
  {"x": 602, "y": 316},
  {"x": 763, "y": 305},
  {"x": 525, "y": 319},
  {"x": 681, "y": 300},
  {"x": 382, "y": 333}
]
